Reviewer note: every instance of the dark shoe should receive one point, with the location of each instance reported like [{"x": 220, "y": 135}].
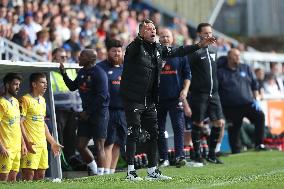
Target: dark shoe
[
  {"x": 180, "y": 161},
  {"x": 214, "y": 159},
  {"x": 199, "y": 160},
  {"x": 157, "y": 175},
  {"x": 132, "y": 176},
  {"x": 261, "y": 147},
  {"x": 90, "y": 172},
  {"x": 224, "y": 154},
  {"x": 164, "y": 163}
]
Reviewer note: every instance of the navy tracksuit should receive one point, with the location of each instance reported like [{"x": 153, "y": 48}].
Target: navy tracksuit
[
  {"x": 93, "y": 88},
  {"x": 236, "y": 88},
  {"x": 117, "y": 127},
  {"x": 173, "y": 74}
]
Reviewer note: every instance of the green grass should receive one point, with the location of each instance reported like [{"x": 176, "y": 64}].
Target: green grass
[{"x": 245, "y": 170}]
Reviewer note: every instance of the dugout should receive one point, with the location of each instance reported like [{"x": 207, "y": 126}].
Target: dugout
[{"x": 26, "y": 68}]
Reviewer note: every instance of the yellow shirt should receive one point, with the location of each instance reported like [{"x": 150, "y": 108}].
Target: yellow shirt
[
  {"x": 34, "y": 111},
  {"x": 10, "y": 130}
]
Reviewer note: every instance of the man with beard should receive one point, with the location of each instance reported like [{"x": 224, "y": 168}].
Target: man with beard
[
  {"x": 11, "y": 143},
  {"x": 117, "y": 128},
  {"x": 139, "y": 88},
  {"x": 34, "y": 130},
  {"x": 92, "y": 83}
]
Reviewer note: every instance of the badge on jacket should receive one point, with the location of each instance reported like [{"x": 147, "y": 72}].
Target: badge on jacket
[
  {"x": 213, "y": 56},
  {"x": 243, "y": 74}
]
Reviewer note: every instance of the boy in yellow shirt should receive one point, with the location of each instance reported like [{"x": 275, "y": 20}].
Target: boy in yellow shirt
[
  {"x": 10, "y": 130},
  {"x": 35, "y": 131}
]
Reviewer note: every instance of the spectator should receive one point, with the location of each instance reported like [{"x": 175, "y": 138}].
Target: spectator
[
  {"x": 38, "y": 18},
  {"x": 44, "y": 9},
  {"x": 156, "y": 18},
  {"x": 43, "y": 45},
  {"x": 88, "y": 6},
  {"x": 101, "y": 52},
  {"x": 132, "y": 20},
  {"x": 270, "y": 85},
  {"x": 9, "y": 16},
  {"x": 16, "y": 27},
  {"x": 73, "y": 43},
  {"x": 223, "y": 46},
  {"x": 74, "y": 26},
  {"x": 31, "y": 27},
  {"x": 102, "y": 30},
  {"x": 3, "y": 13},
  {"x": 274, "y": 70},
  {"x": 259, "y": 73},
  {"x": 6, "y": 31},
  {"x": 64, "y": 31},
  {"x": 76, "y": 5},
  {"x": 242, "y": 47},
  {"x": 88, "y": 31},
  {"x": 22, "y": 38},
  {"x": 19, "y": 10}
]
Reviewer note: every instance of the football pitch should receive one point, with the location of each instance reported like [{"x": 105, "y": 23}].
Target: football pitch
[{"x": 246, "y": 170}]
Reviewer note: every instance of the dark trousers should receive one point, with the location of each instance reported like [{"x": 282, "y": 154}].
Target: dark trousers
[
  {"x": 234, "y": 117},
  {"x": 66, "y": 126},
  {"x": 177, "y": 119},
  {"x": 141, "y": 115}
]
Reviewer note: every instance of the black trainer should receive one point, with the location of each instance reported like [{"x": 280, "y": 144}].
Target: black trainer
[
  {"x": 90, "y": 172},
  {"x": 199, "y": 159},
  {"x": 132, "y": 176},
  {"x": 224, "y": 154},
  {"x": 180, "y": 161},
  {"x": 214, "y": 159},
  {"x": 261, "y": 147},
  {"x": 157, "y": 175}
]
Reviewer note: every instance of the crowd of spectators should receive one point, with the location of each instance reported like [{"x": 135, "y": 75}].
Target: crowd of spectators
[{"x": 42, "y": 25}]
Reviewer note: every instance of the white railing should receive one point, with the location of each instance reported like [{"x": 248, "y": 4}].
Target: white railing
[
  {"x": 262, "y": 59},
  {"x": 15, "y": 52},
  {"x": 216, "y": 11}
]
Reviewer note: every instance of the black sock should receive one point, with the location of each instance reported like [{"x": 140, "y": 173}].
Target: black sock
[
  {"x": 130, "y": 151},
  {"x": 213, "y": 140},
  {"x": 195, "y": 135}
]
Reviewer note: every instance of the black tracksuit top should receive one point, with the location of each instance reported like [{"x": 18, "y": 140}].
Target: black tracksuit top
[
  {"x": 141, "y": 60},
  {"x": 203, "y": 67}
]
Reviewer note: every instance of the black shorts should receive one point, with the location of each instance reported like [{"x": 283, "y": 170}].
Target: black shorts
[
  {"x": 117, "y": 128},
  {"x": 187, "y": 123},
  {"x": 96, "y": 126},
  {"x": 203, "y": 106}
]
